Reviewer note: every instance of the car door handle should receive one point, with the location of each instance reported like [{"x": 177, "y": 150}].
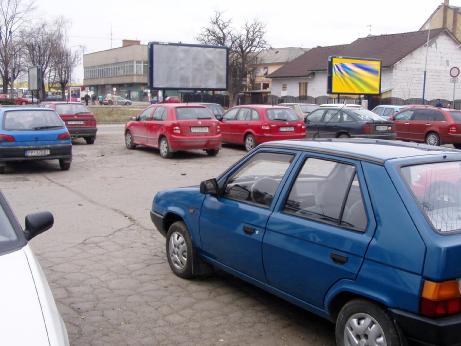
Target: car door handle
[
  {"x": 249, "y": 229},
  {"x": 338, "y": 259}
]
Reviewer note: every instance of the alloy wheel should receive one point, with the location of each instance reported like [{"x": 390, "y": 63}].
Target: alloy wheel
[
  {"x": 178, "y": 251},
  {"x": 249, "y": 142}
]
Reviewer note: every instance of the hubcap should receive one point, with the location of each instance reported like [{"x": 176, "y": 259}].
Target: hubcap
[
  {"x": 163, "y": 147},
  {"x": 178, "y": 251},
  {"x": 249, "y": 143},
  {"x": 363, "y": 330},
  {"x": 432, "y": 139},
  {"x": 128, "y": 139}
]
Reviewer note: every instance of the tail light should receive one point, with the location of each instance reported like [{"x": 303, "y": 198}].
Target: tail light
[
  {"x": 64, "y": 136},
  {"x": 218, "y": 128},
  {"x": 176, "y": 130},
  {"x": 265, "y": 127},
  {"x": 440, "y": 299},
  {"x": 452, "y": 129},
  {"x": 6, "y": 138},
  {"x": 367, "y": 128}
]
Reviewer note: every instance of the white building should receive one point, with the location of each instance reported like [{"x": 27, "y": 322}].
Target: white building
[{"x": 403, "y": 59}]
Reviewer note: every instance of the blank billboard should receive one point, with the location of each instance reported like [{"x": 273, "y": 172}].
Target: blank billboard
[
  {"x": 187, "y": 67},
  {"x": 354, "y": 76}
]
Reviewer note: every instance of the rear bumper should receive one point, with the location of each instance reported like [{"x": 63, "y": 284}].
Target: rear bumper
[
  {"x": 278, "y": 137},
  {"x": 59, "y": 151},
  {"x": 428, "y": 331},
  {"x": 82, "y": 131},
  {"x": 157, "y": 220},
  {"x": 194, "y": 142},
  {"x": 451, "y": 138},
  {"x": 390, "y": 136}
]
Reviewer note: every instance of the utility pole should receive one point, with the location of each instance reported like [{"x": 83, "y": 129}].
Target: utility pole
[
  {"x": 111, "y": 36},
  {"x": 425, "y": 64}
]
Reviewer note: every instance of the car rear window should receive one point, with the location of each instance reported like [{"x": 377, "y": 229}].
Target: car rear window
[
  {"x": 216, "y": 109},
  {"x": 24, "y": 120},
  {"x": 71, "y": 109},
  {"x": 456, "y": 116},
  {"x": 186, "y": 113},
  {"x": 366, "y": 115},
  {"x": 281, "y": 114},
  {"x": 437, "y": 189}
]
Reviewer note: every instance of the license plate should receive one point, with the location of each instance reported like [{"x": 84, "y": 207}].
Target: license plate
[
  {"x": 75, "y": 122},
  {"x": 39, "y": 152},
  {"x": 203, "y": 129},
  {"x": 287, "y": 129},
  {"x": 382, "y": 128}
]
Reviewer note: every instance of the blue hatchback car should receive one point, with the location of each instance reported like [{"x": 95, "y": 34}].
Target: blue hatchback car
[
  {"x": 365, "y": 233},
  {"x": 33, "y": 134}
]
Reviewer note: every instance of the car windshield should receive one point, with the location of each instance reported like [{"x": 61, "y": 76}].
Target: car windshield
[
  {"x": 437, "y": 188},
  {"x": 456, "y": 115},
  {"x": 70, "y": 108},
  {"x": 366, "y": 115},
  {"x": 24, "y": 120},
  {"x": 281, "y": 114},
  {"x": 185, "y": 113},
  {"x": 308, "y": 108}
]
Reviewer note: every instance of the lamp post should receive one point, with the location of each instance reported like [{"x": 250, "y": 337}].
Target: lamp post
[{"x": 425, "y": 65}]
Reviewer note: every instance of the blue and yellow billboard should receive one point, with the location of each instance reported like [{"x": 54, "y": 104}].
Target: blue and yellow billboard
[{"x": 354, "y": 76}]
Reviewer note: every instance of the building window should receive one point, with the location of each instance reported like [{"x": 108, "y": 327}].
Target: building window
[
  {"x": 126, "y": 68},
  {"x": 302, "y": 89},
  {"x": 284, "y": 87},
  {"x": 265, "y": 86}
]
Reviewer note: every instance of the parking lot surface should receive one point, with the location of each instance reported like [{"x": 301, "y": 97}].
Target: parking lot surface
[{"x": 106, "y": 264}]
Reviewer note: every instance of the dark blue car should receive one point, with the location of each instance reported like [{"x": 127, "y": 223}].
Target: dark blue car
[
  {"x": 365, "y": 233},
  {"x": 33, "y": 134}
]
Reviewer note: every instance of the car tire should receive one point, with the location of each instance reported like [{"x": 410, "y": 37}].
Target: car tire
[
  {"x": 64, "y": 164},
  {"x": 180, "y": 252},
  {"x": 212, "y": 152},
  {"x": 457, "y": 145},
  {"x": 2, "y": 169},
  {"x": 432, "y": 138},
  {"x": 343, "y": 135},
  {"x": 250, "y": 142},
  {"x": 164, "y": 148},
  {"x": 129, "y": 140},
  {"x": 90, "y": 140},
  {"x": 359, "y": 320}
]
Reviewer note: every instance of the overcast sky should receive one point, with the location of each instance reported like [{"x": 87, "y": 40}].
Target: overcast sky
[{"x": 307, "y": 23}]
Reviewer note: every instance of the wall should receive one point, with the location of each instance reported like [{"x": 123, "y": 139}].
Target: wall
[
  {"x": 453, "y": 21},
  {"x": 316, "y": 86}
]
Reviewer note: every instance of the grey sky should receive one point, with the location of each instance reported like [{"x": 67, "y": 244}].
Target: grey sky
[{"x": 288, "y": 23}]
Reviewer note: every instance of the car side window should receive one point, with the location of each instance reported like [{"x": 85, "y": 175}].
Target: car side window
[
  {"x": 406, "y": 115},
  {"x": 422, "y": 115},
  {"x": 388, "y": 112},
  {"x": 328, "y": 192},
  {"x": 231, "y": 114},
  {"x": 254, "y": 115},
  {"x": 437, "y": 116},
  {"x": 378, "y": 110},
  {"x": 316, "y": 116},
  {"x": 145, "y": 114},
  {"x": 346, "y": 118},
  {"x": 332, "y": 116},
  {"x": 257, "y": 181},
  {"x": 244, "y": 114},
  {"x": 160, "y": 114}
]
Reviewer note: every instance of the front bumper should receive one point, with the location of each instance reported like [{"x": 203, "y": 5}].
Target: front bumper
[
  {"x": 157, "y": 220},
  {"x": 82, "y": 131},
  {"x": 59, "y": 151},
  {"x": 428, "y": 331}
]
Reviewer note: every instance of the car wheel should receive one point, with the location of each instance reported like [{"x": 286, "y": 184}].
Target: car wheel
[
  {"x": 457, "y": 145},
  {"x": 24, "y": 103},
  {"x": 212, "y": 152},
  {"x": 90, "y": 140},
  {"x": 64, "y": 164},
  {"x": 129, "y": 140},
  {"x": 164, "y": 148},
  {"x": 432, "y": 138},
  {"x": 179, "y": 250},
  {"x": 250, "y": 142},
  {"x": 363, "y": 323},
  {"x": 343, "y": 135},
  {"x": 2, "y": 169}
]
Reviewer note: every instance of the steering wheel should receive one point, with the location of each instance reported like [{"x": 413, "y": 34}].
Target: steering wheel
[{"x": 263, "y": 190}]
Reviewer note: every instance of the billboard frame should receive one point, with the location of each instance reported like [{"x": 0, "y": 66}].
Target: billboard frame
[
  {"x": 330, "y": 74},
  {"x": 150, "y": 62}
]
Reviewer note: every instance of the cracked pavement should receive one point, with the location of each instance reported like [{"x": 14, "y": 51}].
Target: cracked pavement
[{"x": 106, "y": 264}]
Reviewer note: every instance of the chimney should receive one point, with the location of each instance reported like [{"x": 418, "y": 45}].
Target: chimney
[
  {"x": 127, "y": 43},
  {"x": 446, "y": 2}
]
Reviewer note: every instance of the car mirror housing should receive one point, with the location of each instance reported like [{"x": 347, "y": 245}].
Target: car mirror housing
[
  {"x": 219, "y": 117},
  {"x": 38, "y": 223},
  {"x": 209, "y": 187}
]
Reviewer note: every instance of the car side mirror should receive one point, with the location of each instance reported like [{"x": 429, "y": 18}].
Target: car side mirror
[
  {"x": 209, "y": 187},
  {"x": 219, "y": 117},
  {"x": 38, "y": 223},
  {"x": 306, "y": 120}
]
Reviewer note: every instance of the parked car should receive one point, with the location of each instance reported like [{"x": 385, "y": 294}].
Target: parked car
[
  {"x": 33, "y": 134},
  {"x": 341, "y": 105},
  {"x": 217, "y": 110},
  {"x": 345, "y": 122},
  {"x": 301, "y": 109},
  {"x": 387, "y": 111},
  {"x": 174, "y": 127},
  {"x": 334, "y": 227},
  {"x": 80, "y": 122},
  {"x": 26, "y": 298},
  {"x": 251, "y": 125},
  {"x": 432, "y": 125},
  {"x": 117, "y": 100}
]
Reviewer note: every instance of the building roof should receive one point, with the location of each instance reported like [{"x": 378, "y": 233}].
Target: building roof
[
  {"x": 280, "y": 55},
  {"x": 390, "y": 49},
  {"x": 372, "y": 150}
]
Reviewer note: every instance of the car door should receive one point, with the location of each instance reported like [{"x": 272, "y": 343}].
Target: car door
[
  {"x": 153, "y": 126},
  {"x": 330, "y": 124},
  {"x": 402, "y": 124},
  {"x": 313, "y": 122},
  {"x": 138, "y": 127},
  {"x": 420, "y": 120},
  {"x": 227, "y": 125},
  {"x": 232, "y": 225},
  {"x": 320, "y": 229}
]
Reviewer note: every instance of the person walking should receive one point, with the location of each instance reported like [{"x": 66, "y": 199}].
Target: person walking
[
  {"x": 86, "y": 98},
  {"x": 439, "y": 103}
]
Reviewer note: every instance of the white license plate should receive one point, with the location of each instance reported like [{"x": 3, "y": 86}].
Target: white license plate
[
  {"x": 381, "y": 128},
  {"x": 38, "y": 152},
  {"x": 203, "y": 129},
  {"x": 287, "y": 129},
  {"x": 75, "y": 122}
]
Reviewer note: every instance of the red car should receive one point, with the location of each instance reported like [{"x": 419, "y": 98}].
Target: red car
[
  {"x": 251, "y": 125},
  {"x": 173, "y": 127},
  {"x": 79, "y": 120},
  {"x": 432, "y": 125}
]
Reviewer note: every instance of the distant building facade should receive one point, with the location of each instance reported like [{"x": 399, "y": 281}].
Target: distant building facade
[
  {"x": 447, "y": 17},
  {"x": 124, "y": 68}
]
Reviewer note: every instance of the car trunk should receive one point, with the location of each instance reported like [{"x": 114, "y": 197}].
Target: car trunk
[
  {"x": 286, "y": 127},
  {"x": 378, "y": 127},
  {"x": 32, "y": 136},
  {"x": 198, "y": 127},
  {"x": 79, "y": 120}
]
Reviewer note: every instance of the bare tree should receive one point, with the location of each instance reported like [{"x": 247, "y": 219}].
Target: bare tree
[
  {"x": 64, "y": 62},
  {"x": 13, "y": 15},
  {"x": 244, "y": 46}
]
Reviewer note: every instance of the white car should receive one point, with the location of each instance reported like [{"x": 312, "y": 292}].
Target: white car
[
  {"x": 28, "y": 313},
  {"x": 340, "y": 105}
]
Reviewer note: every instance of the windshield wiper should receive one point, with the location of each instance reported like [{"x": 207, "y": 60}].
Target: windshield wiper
[
  {"x": 81, "y": 113},
  {"x": 47, "y": 127}
]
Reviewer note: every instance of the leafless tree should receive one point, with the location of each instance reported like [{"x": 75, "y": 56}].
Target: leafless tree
[
  {"x": 244, "y": 45},
  {"x": 13, "y": 15},
  {"x": 64, "y": 62}
]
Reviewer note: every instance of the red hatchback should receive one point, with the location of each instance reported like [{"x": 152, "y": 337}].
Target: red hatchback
[
  {"x": 251, "y": 125},
  {"x": 79, "y": 120},
  {"x": 432, "y": 125},
  {"x": 174, "y": 127}
]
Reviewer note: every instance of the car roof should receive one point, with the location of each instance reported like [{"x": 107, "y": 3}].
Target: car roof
[
  {"x": 392, "y": 106},
  {"x": 338, "y": 105},
  {"x": 260, "y": 106},
  {"x": 372, "y": 150},
  {"x": 41, "y": 109},
  {"x": 297, "y": 103},
  {"x": 62, "y": 103},
  {"x": 176, "y": 105}
]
